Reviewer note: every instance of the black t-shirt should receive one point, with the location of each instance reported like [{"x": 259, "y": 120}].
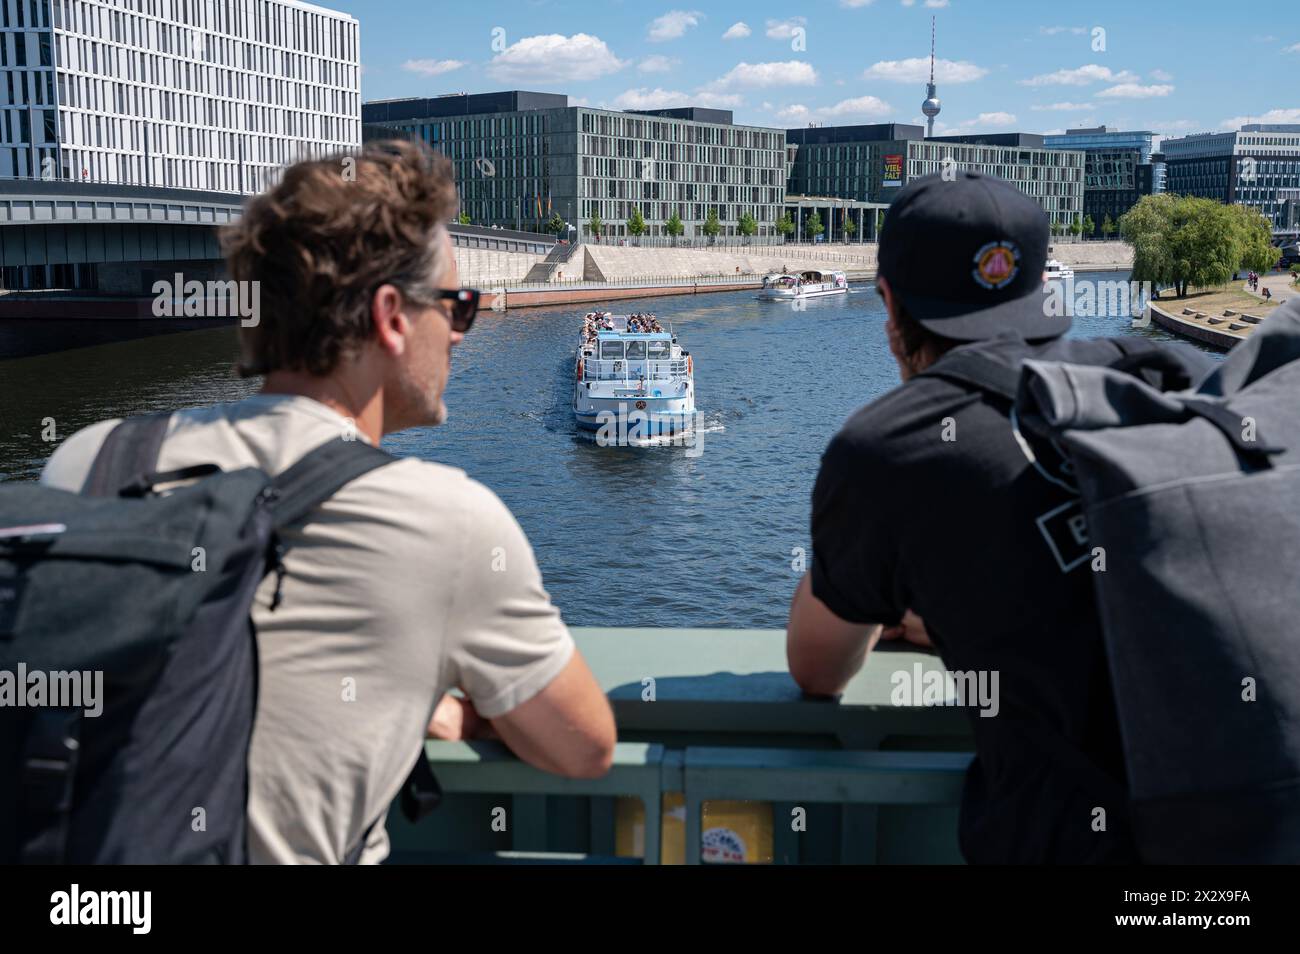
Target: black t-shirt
[{"x": 926, "y": 501}]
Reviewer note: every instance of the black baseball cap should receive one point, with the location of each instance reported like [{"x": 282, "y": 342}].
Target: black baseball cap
[{"x": 966, "y": 256}]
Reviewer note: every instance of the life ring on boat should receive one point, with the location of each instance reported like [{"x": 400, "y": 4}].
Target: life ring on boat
[
  {"x": 690, "y": 366},
  {"x": 580, "y": 369}
]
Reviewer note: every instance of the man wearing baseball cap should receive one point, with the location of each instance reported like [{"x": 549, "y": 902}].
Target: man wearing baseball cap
[{"x": 931, "y": 524}]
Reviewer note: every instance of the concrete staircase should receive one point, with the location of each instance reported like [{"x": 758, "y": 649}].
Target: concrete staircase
[{"x": 553, "y": 264}]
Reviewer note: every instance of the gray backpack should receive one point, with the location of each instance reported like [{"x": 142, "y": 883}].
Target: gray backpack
[{"x": 1192, "y": 501}]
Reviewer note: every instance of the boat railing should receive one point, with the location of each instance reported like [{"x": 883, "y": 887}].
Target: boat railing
[{"x": 594, "y": 369}]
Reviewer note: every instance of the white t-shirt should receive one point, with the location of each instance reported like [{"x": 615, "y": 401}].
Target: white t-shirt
[{"x": 410, "y": 581}]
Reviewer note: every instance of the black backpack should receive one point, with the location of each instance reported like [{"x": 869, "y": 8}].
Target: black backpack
[{"x": 150, "y": 595}]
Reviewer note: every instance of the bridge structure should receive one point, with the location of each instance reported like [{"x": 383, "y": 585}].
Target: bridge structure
[{"x": 116, "y": 238}]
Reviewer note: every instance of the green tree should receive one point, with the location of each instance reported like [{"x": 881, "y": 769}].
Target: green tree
[
  {"x": 1108, "y": 226},
  {"x": 636, "y": 223},
  {"x": 1255, "y": 232},
  {"x": 812, "y": 226},
  {"x": 594, "y": 224},
  {"x": 556, "y": 224},
  {"x": 748, "y": 224},
  {"x": 1076, "y": 227},
  {"x": 711, "y": 224},
  {"x": 1185, "y": 241},
  {"x": 463, "y": 218},
  {"x": 1089, "y": 226},
  {"x": 674, "y": 226},
  {"x": 849, "y": 229},
  {"x": 785, "y": 225}
]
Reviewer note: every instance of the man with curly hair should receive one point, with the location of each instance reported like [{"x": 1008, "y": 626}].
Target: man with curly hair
[{"x": 412, "y": 580}]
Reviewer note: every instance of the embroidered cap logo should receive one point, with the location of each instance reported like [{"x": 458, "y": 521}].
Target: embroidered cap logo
[{"x": 996, "y": 265}]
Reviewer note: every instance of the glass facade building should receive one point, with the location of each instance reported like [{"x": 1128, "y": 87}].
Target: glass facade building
[
  {"x": 1119, "y": 168},
  {"x": 871, "y": 163},
  {"x": 198, "y": 94},
  {"x": 521, "y": 157}
]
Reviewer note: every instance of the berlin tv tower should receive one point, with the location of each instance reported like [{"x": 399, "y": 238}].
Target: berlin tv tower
[{"x": 931, "y": 106}]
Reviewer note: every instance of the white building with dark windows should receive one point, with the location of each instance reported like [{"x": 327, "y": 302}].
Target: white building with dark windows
[{"x": 194, "y": 94}]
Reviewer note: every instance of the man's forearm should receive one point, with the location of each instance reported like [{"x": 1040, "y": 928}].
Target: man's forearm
[{"x": 824, "y": 652}]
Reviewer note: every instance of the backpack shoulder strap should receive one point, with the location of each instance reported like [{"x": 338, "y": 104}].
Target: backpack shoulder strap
[
  {"x": 128, "y": 453},
  {"x": 1137, "y": 355},
  {"x": 977, "y": 370},
  {"x": 319, "y": 474}
]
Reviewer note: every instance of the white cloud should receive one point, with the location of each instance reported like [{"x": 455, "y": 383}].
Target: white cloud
[
  {"x": 544, "y": 57},
  {"x": 934, "y": 4},
  {"x": 644, "y": 98},
  {"x": 861, "y": 107},
  {"x": 1161, "y": 75},
  {"x": 1272, "y": 116},
  {"x": 854, "y": 4},
  {"x": 991, "y": 119},
  {"x": 657, "y": 64},
  {"x": 1136, "y": 91},
  {"x": 984, "y": 122},
  {"x": 917, "y": 70},
  {"x": 1061, "y": 106},
  {"x": 431, "y": 67},
  {"x": 1088, "y": 73},
  {"x": 784, "y": 29},
  {"x": 737, "y": 31},
  {"x": 1293, "y": 48},
  {"x": 673, "y": 24},
  {"x": 756, "y": 75},
  {"x": 1054, "y": 30},
  {"x": 650, "y": 99}
]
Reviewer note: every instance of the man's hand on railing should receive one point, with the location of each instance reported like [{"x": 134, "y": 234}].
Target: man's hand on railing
[
  {"x": 456, "y": 720},
  {"x": 911, "y": 629}
]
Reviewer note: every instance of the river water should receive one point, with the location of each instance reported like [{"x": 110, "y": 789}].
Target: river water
[{"x": 624, "y": 536}]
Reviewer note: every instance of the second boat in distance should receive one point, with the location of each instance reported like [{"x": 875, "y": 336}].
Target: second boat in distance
[{"x": 809, "y": 283}]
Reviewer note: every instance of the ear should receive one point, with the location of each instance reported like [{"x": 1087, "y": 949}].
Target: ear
[{"x": 390, "y": 325}]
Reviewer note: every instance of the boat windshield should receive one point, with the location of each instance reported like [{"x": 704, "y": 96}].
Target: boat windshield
[
  {"x": 611, "y": 349},
  {"x": 636, "y": 350},
  {"x": 660, "y": 350}
]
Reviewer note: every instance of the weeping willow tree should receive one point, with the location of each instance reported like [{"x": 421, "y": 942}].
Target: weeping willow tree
[{"x": 1184, "y": 241}]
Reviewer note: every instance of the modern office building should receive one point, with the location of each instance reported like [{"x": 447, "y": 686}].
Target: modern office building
[
  {"x": 522, "y": 157},
  {"x": 1119, "y": 168},
  {"x": 1258, "y": 165},
  {"x": 871, "y": 163},
  {"x": 215, "y": 95}
]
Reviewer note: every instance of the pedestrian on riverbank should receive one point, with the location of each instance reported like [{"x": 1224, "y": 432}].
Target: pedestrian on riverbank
[
  {"x": 413, "y": 580},
  {"x": 931, "y": 525}
]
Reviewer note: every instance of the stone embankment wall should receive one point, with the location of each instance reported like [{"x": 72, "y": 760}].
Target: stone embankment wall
[
  {"x": 618, "y": 262},
  {"x": 598, "y": 262},
  {"x": 482, "y": 266},
  {"x": 1093, "y": 256}
]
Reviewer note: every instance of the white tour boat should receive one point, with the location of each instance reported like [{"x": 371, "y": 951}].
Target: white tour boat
[
  {"x": 632, "y": 379},
  {"x": 1056, "y": 270},
  {"x": 810, "y": 283}
]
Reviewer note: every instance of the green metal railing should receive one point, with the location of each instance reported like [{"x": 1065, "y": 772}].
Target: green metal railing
[{"x": 713, "y": 715}]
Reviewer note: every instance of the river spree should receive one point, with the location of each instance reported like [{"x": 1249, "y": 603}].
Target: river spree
[{"x": 625, "y": 536}]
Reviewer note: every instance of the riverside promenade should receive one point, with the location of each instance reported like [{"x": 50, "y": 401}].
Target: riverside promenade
[{"x": 596, "y": 272}]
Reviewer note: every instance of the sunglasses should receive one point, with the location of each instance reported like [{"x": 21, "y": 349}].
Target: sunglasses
[{"x": 464, "y": 307}]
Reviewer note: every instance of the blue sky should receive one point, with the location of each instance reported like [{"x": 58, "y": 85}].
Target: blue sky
[{"x": 1003, "y": 64}]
